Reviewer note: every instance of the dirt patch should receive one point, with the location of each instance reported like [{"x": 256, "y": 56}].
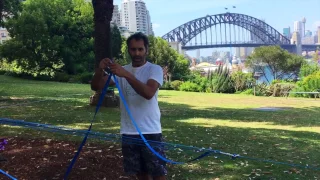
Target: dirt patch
[{"x": 49, "y": 159}]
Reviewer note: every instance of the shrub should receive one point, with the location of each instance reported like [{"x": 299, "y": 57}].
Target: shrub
[
  {"x": 263, "y": 90},
  {"x": 61, "y": 77},
  {"x": 84, "y": 78},
  {"x": 43, "y": 77},
  {"x": 202, "y": 84},
  {"x": 208, "y": 90},
  {"x": 23, "y": 75},
  {"x": 221, "y": 81},
  {"x": 189, "y": 86},
  {"x": 307, "y": 69},
  {"x": 166, "y": 86},
  {"x": 280, "y": 89},
  {"x": 242, "y": 81},
  {"x": 176, "y": 84},
  {"x": 248, "y": 92},
  {"x": 310, "y": 83}
]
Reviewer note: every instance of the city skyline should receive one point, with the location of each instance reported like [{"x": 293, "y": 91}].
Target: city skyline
[
  {"x": 166, "y": 16},
  {"x": 284, "y": 14}
]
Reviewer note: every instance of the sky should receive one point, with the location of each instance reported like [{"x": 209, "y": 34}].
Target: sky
[{"x": 169, "y": 14}]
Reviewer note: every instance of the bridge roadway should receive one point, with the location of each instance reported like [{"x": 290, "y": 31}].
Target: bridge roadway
[{"x": 289, "y": 47}]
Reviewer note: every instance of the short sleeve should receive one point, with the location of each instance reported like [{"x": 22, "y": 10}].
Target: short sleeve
[{"x": 156, "y": 73}]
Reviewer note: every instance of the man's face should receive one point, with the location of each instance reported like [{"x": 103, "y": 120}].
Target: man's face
[{"x": 137, "y": 51}]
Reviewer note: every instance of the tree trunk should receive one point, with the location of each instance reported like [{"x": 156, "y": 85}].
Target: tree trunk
[
  {"x": 102, "y": 16},
  {"x": 103, "y": 10}
]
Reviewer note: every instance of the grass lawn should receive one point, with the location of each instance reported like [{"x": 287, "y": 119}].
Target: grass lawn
[{"x": 229, "y": 123}]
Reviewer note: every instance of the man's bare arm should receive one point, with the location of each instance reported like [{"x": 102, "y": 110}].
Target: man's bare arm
[{"x": 145, "y": 90}]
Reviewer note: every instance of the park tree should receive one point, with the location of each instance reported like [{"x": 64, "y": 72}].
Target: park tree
[
  {"x": 125, "y": 57},
  {"x": 161, "y": 53},
  {"x": 103, "y": 46},
  {"x": 181, "y": 68},
  {"x": 116, "y": 42},
  {"x": 9, "y": 8},
  {"x": 279, "y": 61},
  {"x": 103, "y": 10},
  {"x": 51, "y": 35}
]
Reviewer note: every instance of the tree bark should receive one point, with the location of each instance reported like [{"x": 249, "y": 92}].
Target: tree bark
[{"x": 103, "y": 10}]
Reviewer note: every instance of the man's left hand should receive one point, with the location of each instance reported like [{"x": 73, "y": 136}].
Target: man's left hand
[{"x": 118, "y": 70}]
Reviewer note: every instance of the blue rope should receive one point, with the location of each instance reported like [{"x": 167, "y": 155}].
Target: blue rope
[
  {"x": 137, "y": 141},
  {"x": 145, "y": 142},
  {"x": 8, "y": 175},
  {"x": 87, "y": 133},
  {"x": 141, "y": 135}
]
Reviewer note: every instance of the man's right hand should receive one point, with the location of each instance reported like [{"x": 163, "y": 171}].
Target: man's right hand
[
  {"x": 99, "y": 79},
  {"x": 104, "y": 63}
]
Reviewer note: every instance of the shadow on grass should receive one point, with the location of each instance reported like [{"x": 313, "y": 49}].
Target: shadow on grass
[
  {"x": 299, "y": 117},
  {"x": 290, "y": 147},
  {"x": 298, "y": 147}
]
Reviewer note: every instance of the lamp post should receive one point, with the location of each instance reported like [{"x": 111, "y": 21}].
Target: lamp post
[{"x": 256, "y": 76}]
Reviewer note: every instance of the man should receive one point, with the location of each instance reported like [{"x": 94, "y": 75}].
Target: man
[{"x": 139, "y": 81}]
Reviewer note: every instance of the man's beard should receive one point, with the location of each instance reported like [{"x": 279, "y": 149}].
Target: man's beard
[{"x": 137, "y": 58}]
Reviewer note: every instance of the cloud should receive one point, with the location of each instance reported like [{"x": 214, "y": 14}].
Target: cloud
[{"x": 155, "y": 25}]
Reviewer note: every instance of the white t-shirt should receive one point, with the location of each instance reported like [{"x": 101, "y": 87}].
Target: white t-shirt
[{"x": 146, "y": 113}]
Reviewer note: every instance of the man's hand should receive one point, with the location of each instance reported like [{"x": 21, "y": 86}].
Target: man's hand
[
  {"x": 99, "y": 79},
  {"x": 104, "y": 63},
  {"x": 115, "y": 68},
  {"x": 118, "y": 70}
]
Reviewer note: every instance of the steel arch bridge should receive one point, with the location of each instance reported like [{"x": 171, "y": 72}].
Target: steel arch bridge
[{"x": 224, "y": 27}]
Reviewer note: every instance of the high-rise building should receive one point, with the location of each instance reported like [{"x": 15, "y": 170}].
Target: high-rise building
[
  {"x": 198, "y": 54},
  {"x": 149, "y": 24},
  {"x": 303, "y": 27},
  {"x": 244, "y": 52},
  {"x": 296, "y": 38},
  {"x": 4, "y": 35},
  {"x": 309, "y": 40},
  {"x": 238, "y": 51},
  {"x": 318, "y": 35},
  {"x": 297, "y": 27},
  {"x": 308, "y": 33},
  {"x": 116, "y": 16},
  {"x": 315, "y": 37},
  {"x": 286, "y": 32},
  {"x": 135, "y": 16}
]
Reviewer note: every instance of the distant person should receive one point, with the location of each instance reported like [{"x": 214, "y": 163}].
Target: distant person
[{"x": 139, "y": 81}]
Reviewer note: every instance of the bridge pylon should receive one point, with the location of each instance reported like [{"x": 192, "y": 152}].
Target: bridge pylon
[{"x": 176, "y": 45}]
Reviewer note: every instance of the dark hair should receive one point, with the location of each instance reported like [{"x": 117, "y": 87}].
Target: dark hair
[{"x": 139, "y": 36}]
